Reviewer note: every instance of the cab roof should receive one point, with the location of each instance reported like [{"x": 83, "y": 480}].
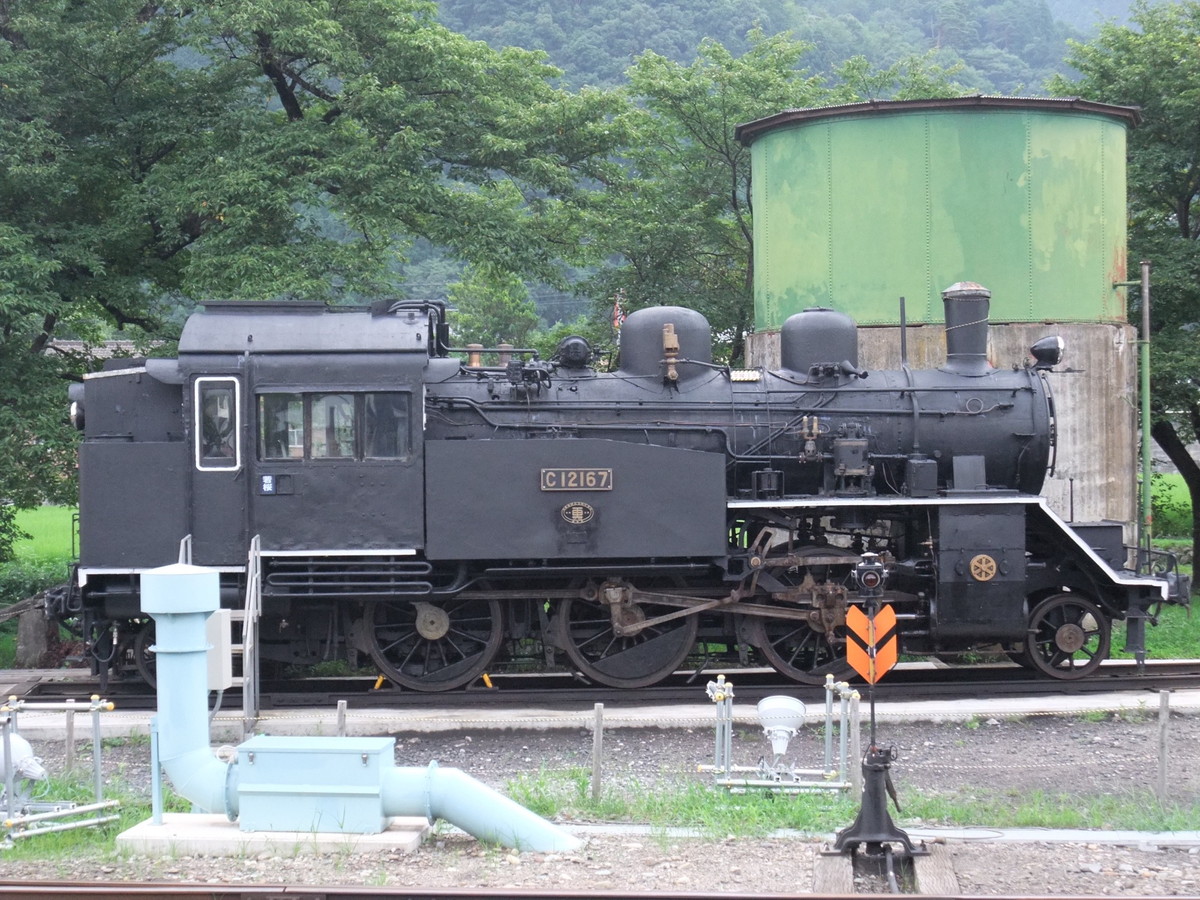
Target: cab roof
[{"x": 302, "y": 327}]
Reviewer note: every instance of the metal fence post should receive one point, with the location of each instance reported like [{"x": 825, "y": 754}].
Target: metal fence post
[
  {"x": 69, "y": 741},
  {"x": 1164, "y": 718},
  {"x": 10, "y": 781},
  {"x": 856, "y": 775},
  {"x": 156, "y": 784},
  {"x": 97, "y": 775},
  {"x": 829, "y": 689},
  {"x": 597, "y": 750}
]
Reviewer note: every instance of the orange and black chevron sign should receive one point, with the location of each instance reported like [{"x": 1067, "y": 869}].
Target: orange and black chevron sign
[{"x": 872, "y": 646}]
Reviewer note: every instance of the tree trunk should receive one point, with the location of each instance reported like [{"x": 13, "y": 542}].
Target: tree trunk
[
  {"x": 1165, "y": 436},
  {"x": 33, "y": 639}
]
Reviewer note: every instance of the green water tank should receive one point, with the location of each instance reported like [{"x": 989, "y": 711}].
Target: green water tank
[{"x": 856, "y": 206}]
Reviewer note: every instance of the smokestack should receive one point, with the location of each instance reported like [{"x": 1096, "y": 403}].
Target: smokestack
[{"x": 966, "y": 328}]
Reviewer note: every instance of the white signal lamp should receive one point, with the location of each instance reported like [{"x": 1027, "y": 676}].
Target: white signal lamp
[{"x": 781, "y": 717}]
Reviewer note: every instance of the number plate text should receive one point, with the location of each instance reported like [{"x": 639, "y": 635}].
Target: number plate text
[{"x": 577, "y": 479}]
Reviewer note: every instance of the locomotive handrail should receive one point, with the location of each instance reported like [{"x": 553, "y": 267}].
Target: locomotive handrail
[
  {"x": 1000, "y": 496},
  {"x": 1146, "y": 559},
  {"x": 826, "y": 390},
  {"x": 533, "y": 351},
  {"x": 250, "y": 682},
  {"x": 912, "y": 392}
]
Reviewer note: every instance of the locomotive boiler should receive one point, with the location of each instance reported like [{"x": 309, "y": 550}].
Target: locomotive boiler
[{"x": 382, "y": 497}]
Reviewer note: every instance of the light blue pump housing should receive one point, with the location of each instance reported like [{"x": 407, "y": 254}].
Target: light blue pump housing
[
  {"x": 320, "y": 784},
  {"x": 302, "y": 784}
]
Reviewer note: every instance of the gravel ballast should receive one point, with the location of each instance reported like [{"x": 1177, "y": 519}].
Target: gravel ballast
[{"x": 1067, "y": 759}]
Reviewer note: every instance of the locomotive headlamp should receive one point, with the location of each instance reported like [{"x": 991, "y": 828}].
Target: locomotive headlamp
[
  {"x": 573, "y": 352},
  {"x": 1048, "y": 352},
  {"x": 870, "y": 575},
  {"x": 75, "y": 395}
]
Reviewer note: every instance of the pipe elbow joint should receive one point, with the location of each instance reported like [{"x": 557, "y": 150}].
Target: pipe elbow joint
[
  {"x": 209, "y": 783},
  {"x": 463, "y": 801}
]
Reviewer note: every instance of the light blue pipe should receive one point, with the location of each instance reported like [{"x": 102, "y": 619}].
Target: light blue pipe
[
  {"x": 180, "y": 598},
  {"x": 455, "y": 796}
]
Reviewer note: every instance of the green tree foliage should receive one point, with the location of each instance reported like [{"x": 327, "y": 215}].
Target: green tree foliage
[
  {"x": 595, "y": 41},
  {"x": 36, "y": 445},
  {"x": 680, "y": 224},
  {"x": 492, "y": 308},
  {"x": 255, "y": 148},
  {"x": 1003, "y": 46},
  {"x": 1090, "y": 14},
  {"x": 681, "y": 221},
  {"x": 1153, "y": 63}
]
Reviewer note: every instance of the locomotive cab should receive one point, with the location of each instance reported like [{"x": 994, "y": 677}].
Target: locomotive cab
[{"x": 306, "y": 430}]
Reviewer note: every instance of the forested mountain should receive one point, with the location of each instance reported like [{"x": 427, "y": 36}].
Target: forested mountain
[
  {"x": 1002, "y": 46},
  {"x": 594, "y": 41},
  {"x": 1089, "y": 14}
]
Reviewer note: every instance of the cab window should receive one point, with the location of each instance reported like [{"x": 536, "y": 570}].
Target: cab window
[
  {"x": 385, "y": 426},
  {"x": 343, "y": 425},
  {"x": 217, "y": 424},
  {"x": 280, "y": 426},
  {"x": 332, "y": 420}
]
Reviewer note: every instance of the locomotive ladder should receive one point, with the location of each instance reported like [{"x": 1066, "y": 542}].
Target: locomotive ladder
[
  {"x": 248, "y": 619},
  {"x": 253, "y": 609}
]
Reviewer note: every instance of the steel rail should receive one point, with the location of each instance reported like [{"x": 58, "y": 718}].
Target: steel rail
[
  {"x": 978, "y": 682},
  {"x": 14, "y": 890}
]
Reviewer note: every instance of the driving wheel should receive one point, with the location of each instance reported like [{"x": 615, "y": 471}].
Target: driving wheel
[
  {"x": 143, "y": 654},
  {"x": 435, "y": 646},
  {"x": 795, "y": 649},
  {"x": 625, "y": 661}
]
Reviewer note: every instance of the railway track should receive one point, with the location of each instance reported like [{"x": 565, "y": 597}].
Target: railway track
[
  {"x": 153, "y": 891},
  {"x": 906, "y": 683}
]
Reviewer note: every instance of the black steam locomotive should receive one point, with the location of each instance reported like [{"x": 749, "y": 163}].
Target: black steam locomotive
[{"x": 378, "y": 496}]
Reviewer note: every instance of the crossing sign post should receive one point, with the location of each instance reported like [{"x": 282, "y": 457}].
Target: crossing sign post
[
  {"x": 872, "y": 645},
  {"x": 872, "y": 648}
]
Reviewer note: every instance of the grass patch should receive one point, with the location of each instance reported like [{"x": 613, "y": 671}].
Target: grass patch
[
  {"x": 1171, "y": 505},
  {"x": 20, "y": 579},
  {"x": 42, "y": 560},
  {"x": 1133, "y": 811},
  {"x": 51, "y": 533},
  {"x": 693, "y": 803},
  {"x": 717, "y": 813},
  {"x": 61, "y": 848},
  {"x": 1176, "y": 636},
  {"x": 23, "y": 578},
  {"x": 714, "y": 812}
]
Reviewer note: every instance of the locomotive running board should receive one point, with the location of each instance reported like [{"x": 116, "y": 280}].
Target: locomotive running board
[{"x": 973, "y": 499}]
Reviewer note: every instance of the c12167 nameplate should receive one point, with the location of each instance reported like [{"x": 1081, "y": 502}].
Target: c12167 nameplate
[{"x": 577, "y": 479}]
